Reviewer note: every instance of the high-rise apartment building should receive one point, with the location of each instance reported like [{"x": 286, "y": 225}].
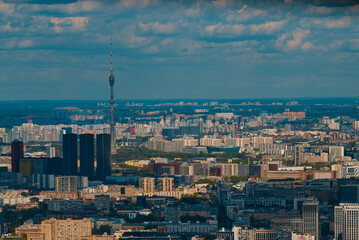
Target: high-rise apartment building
[
  {"x": 87, "y": 155},
  {"x": 17, "y": 153},
  {"x": 229, "y": 169},
  {"x": 336, "y": 153},
  {"x": 70, "y": 154},
  {"x": 346, "y": 221},
  {"x": 147, "y": 184},
  {"x": 165, "y": 184},
  {"x": 310, "y": 214},
  {"x": 103, "y": 150},
  {"x": 298, "y": 154},
  {"x": 66, "y": 184}
]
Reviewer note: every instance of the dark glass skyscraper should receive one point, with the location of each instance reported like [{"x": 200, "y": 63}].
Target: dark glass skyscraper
[
  {"x": 70, "y": 154},
  {"x": 87, "y": 155},
  {"x": 17, "y": 153},
  {"x": 103, "y": 151}
]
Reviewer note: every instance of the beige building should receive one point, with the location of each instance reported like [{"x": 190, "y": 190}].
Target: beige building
[
  {"x": 58, "y": 231},
  {"x": 356, "y": 125},
  {"x": 313, "y": 158},
  {"x": 66, "y": 184},
  {"x": 284, "y": 174},
  {"x": 95, "y": 237},
  {"x": 323, "y": 174},
  {"x": 229, "y": 169},
  {"x": 68, "y": 229},
  {"x": 186, "y": 170},
  {"x": 337, "y": 170},
  {"x": 147, "y": 184},
  {"x": 165, "y": 184}
]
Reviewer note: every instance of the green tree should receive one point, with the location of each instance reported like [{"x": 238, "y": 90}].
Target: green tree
[{"x": 103, "y": 229}]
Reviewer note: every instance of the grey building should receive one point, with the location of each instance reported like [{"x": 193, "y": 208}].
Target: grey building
[
  {"x": 310, "y": 214},
  {"x": 102, "y": 202},
  {"x": 346, "y": 221}
]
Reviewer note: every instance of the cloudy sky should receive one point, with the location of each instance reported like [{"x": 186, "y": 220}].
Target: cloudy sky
[{"x": 59, "y": 49}]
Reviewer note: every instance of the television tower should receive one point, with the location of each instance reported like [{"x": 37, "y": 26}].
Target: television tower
[{"x": 112, "y": 124}]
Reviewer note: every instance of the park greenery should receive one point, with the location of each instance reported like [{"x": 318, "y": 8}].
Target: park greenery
[{"x": 141, "y": 153}]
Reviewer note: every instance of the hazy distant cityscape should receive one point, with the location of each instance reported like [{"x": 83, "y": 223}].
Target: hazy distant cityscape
[{"x": 263, "y": 169}]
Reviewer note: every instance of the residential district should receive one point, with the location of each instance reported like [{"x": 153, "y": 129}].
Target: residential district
[{"x": 182, "y": 170}]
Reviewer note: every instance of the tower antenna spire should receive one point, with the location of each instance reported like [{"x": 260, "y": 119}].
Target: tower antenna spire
[
  {"x": 111, "y": 56},
  {"x": 112, "y": 123}
]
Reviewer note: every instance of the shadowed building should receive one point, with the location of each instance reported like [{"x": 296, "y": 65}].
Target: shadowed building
[
  {"x": 70, "y": 154},
  {"x": 87, "y": 155},
  {"x": 103, "y": 151},
  {"x": 17, "y": 153}
]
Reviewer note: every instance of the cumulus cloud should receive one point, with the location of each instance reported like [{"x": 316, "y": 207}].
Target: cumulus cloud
[
  {"x": 327, "y": 22},
  {"x": 158, "y": 28},
  {"x": 69, "y": 23},
  {"x": 26, "y": 44},
  {"x": 6, "y": 8},
  {"x": 294, "y": 40},
  {"x": 239, "y": 36},
  {"x": 240, "y": 29},
  {"x": 246, "y": 14}
]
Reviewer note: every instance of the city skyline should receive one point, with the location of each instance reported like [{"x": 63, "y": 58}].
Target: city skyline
[
  {"x": 202, "y": 50},
  {"x": 228, "y": 119}
]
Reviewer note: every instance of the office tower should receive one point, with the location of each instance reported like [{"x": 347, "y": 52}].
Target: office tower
[
  {"x": 165, "y": 184},
  {"x": 41, "y": 166},
  {"x": 17, "y": 152},
  {"x": 54, "y": 166},
  {"x": 310, "y": 213},
  {"x": 66, "y": 184},
  {"x": 147, "y": 184},
  {"x": 70, "y": 154},
  {"x": 346, "y": 221},
  {"x": 87, "y": 155},
  {"x": 50, "y": 152},
  {"x": 63, "y": 131},
  {"x": 112, "y": 124},
  {"x": 103, "y": 151}
]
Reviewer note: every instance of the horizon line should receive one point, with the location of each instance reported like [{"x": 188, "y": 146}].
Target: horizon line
[{"x": 185, "y": 99}]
